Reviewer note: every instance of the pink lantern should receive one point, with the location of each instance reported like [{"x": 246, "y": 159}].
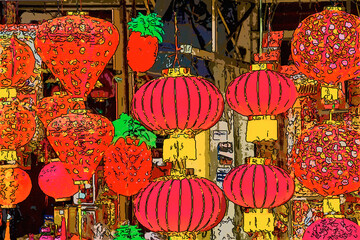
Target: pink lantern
[
  {"x": 56, "y": 182},
  {"x": 258, "y": 186},
  {"x": 331, "y": 229},
  {"x": 180, "y": 206}
]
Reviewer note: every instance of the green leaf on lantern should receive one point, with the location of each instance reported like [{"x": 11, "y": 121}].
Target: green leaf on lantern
[
  {"x": 148, "y": 25},
  {"x": 126, "y": 126}
]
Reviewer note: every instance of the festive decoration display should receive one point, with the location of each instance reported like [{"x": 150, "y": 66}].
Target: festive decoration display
[
  {"x": 106, "y": 88},
  {"x": 261, "y": 95},
  {"x": 17, "y": 127},
  {"x": 128, "y": 232},
  {"x": 332, "y": 228},
  {"x": 56, "y": 182},
  {"x": 258, "y": 186},
  {"x": 325, "y": 159},
  {"x": 76, "y": 48},
  {"x": 17, "y": 63},
  {"x": 128, "y": 161},
  {"x": 182, "y": 206},
  {"x": 15, "y": 186},
  {"x": 325, "y": 46},
  {"x": 49, "y": 108},
  {"x": 80, "y": 140},
  {"x": 146, "y": 33}
]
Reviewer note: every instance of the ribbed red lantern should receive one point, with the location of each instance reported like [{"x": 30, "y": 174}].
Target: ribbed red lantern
[
  {"x": 80, "y": 140},
  {"x": 49, "y": 108},
  {"x": 56, "y": 182},
  {"x": 15, "y": 186},
  {"x": 258, "y": 186},
  {"x": 325, "y": 46},
  {"x": 261, "y": 95},
  {"x": 331, "y": 229},
  {"x": 17, "y": 62},
  {"x": 17, "y": 127},
  {"x": 181, "y": 206},
  {"x": 76, "y": 49},
  {"x": 263, "y": 92},
  {"x": 178, "y": 101}
]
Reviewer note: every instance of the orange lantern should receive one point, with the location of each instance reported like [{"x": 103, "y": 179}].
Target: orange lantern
[
  {"x": 80, "y": 139},
  {"x": 76, "y": 48},
  {"x": 17, "y": 127},
  {"x": 15, "y": 186}
]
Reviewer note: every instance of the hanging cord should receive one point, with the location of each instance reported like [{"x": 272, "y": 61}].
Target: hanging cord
[
  {"x": 261, "y": 27},
  {"x": 176, "y": 59}
]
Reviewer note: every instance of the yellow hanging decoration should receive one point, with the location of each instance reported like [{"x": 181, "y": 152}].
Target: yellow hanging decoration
[
  {"x": 8, "y": 155},
  {"x": 262, "y": 128},
  {"x": 179, "y": 147},
  {"x": 331, "y": 204},
  {"x": 257, "y": 220},
  {"x": 8, "y": 93}
]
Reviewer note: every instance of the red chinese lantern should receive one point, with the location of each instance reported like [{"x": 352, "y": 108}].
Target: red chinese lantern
[
  {"x": 325, "y": 46},
  {"x": 325, "y": 159},
  {"x": 17, "y": 127},
  {"x": 56, "y": 182},
  {"x": 180, "y": 206},
  {"x": 146, "y": 34},
  {"x": 80, "y": 140},
  {"x": 49, "y": 108},
  {"x": 128, "y": 161},
  {"x": 17, "y": 62},
  {"x": 15, "y": 186},
  {"x": 258, "y": 186},
  {"x": 76, "y": 49},
  {"x": 180, "y": 105},
  {"x": 332, "y": 228},
  {"x": 261, "y": 95}
]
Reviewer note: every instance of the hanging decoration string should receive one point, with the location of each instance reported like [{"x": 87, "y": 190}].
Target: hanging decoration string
[
  {"x": 176, "y": 59},
  {"x": 261, "y": 27}
]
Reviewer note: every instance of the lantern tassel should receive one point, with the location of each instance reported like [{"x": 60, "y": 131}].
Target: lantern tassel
[
  {"x": 63, "y": 229},
  {"x": 7, "y": 232}
]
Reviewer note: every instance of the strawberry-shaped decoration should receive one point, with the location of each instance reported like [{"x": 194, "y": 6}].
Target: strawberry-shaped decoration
[
  {"x": 76, "y": 49},
  {"x": 146, "y": 34},
  {"x": 49, "y": 108},
  {"x": 128, "y": 161},
  {"x": 80, "y": 139}
]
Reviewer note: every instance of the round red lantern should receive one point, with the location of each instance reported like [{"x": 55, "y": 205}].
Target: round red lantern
[
  {"x": 49, "y": 108},
  {"x": 178, "y": 101},
  {"x": 80, "y": 139},
  {"x": 17, "y": 127},
  {"x": 261, "y": 95},
  {"x": 325, "y": 46},
  {"x": 180, "y": 206},
  {"x": 258, "y": 186},
  {"x": 76, "y": 48},
  {"x": 128, "y": 161},
  {"x": 17, "y": 62},
  {"x": 15, "y": 186},
  {"x": 332, "y": 228},
  {"x": 56, "y": 182},
  {"x": 325, "y": 159}
]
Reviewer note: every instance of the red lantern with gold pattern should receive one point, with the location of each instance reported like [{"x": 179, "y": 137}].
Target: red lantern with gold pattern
[
  {"x": 49, "y": 108},
  {"x": 17, "y": 127},
  {"x": 80, "y": 139},
  {"x": 180, "y": 206},
  {"x": 76, "y": 48},
  {"x": 17, "y": 62},
  {"x": 56, "y": 182},
  {"x": 15, "y": 186},
  {"x": 325, "y": 46}
]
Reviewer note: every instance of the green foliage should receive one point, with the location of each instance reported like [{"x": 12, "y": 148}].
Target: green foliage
[
  {"x": 149, "y": 25},
  {"x": 126, "y": 126},
  {"x": 128, "y": 232}
]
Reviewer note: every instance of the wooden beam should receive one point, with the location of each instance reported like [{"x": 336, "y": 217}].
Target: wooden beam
[{"x": 213, "y": 26}]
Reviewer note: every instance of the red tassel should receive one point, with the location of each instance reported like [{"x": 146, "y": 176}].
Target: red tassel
[
  {"x": 46, "y": 200},
  {"x": 63, "y": 229},
  {"x": 7, "y": 232}
]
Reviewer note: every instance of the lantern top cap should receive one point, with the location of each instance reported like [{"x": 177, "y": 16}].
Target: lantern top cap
[
  {"x": 334, "y": 8},
  {"x": 78, "y": 13},
  {"x": 176, "y": 72}
]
